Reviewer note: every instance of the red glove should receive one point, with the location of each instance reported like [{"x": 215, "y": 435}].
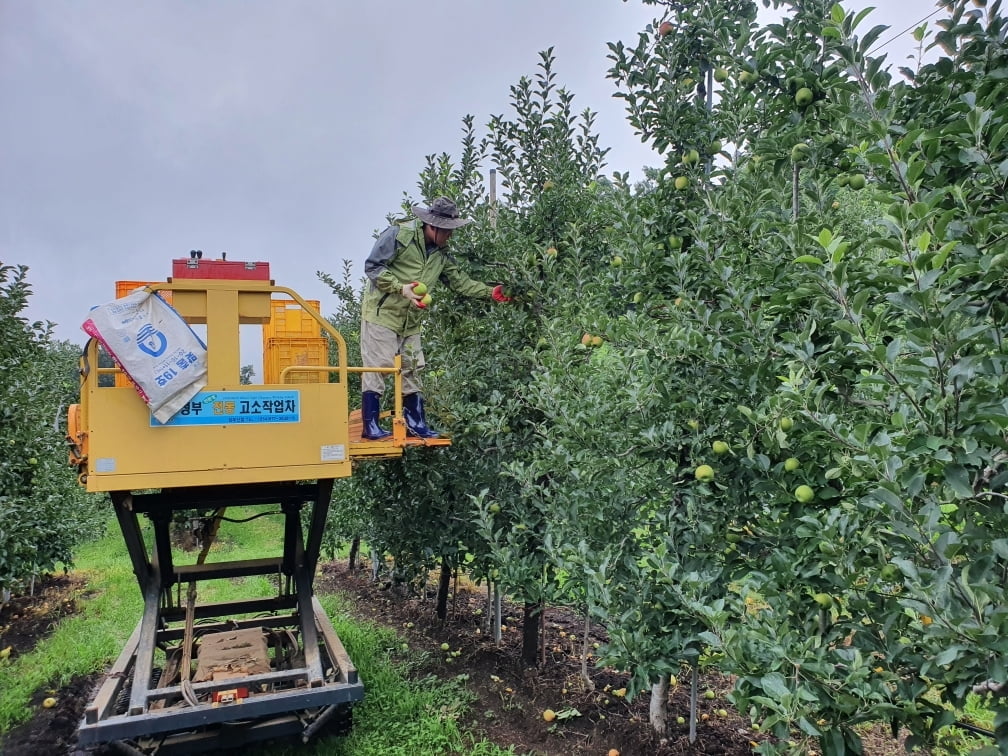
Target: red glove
[{"x": 498, "y": 294}]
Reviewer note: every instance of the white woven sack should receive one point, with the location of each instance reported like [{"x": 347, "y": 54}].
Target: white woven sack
[{"x": 154, "y": 346}]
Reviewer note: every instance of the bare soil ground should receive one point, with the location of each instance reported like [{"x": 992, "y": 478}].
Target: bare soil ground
[
  {"x": 24, "y": 622},
  {"x": 511, "y": 697}
]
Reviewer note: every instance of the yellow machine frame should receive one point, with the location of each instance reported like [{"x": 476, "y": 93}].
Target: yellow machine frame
[
  {"x": 116, "y": 446},
  {"x": 213, "y": 454}
]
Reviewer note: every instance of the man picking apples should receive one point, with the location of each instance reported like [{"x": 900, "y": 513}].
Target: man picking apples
[{"x": 406, "y": 263}]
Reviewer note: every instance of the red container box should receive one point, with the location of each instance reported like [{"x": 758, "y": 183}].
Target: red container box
[{"x": 228, "y": 270}]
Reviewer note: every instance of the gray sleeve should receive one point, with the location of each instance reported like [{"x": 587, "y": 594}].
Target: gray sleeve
[{"x": 382, "y": 252}]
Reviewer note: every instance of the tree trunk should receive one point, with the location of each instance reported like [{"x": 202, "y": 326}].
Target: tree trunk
[
  {"x": 211, "y": 535},
  {"x": 488, "y": 623},
  {"x": 589, "y": 683},
  {"x": 658, "y": 714},
  {"x": 455, "y": 573},
  {"x": 694, "y": 696},
  {"x": 542, "y": 637},
  {"x": 497, "y": 613},
  {"x": 442, "y": 594},
  {"x": 354, "y": 552},
  {"x": 530, "y": 634}
]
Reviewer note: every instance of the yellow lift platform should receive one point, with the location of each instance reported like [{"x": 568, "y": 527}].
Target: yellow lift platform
[{"x": 196, "y": 677}]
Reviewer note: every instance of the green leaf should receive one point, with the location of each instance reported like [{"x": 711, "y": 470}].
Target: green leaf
[
  {"x": 947, "y": 655},
  {"x": 943, "y": 253},
  {"x": 958, "y": 480},
  {"x": 838, "y": 253},
  {"x": 1000, "y": 547},
  {"x": 887, "y": 497},
  {"x": 861, "y": 16},
  {"x": 774, "y": 684}
]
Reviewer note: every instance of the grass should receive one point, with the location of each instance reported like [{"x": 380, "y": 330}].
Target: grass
[
  {"x": 400, "y": 714},
  {"x": 955, "y": 740},
  {"x": 83, "y": 643}
]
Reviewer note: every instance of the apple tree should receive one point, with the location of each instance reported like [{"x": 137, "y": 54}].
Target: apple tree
[
  {"x": 872, "y": 344},
  {"x": 45, "y": 514},
  {"x": 922, "y": 323},
  {"x": 548, "y": 160}
]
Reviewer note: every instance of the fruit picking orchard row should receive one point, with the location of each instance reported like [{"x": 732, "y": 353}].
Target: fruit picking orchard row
[
  {"x": 782, "y": 449},
  {"x": 44, "y": 514}
]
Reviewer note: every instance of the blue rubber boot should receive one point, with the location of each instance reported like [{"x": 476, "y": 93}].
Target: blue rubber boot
[
  {"x": 370, "y": 410},
  {"x": 413, "y": 414}
]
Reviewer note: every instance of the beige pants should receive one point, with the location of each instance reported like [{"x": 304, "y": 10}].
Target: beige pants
[{"x": 379, "y": 346}]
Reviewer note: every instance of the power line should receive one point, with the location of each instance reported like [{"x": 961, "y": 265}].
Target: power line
[{"x": 909, "y": 28}]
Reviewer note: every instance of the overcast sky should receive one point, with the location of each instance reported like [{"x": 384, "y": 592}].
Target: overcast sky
[{"x": 132, "y": 131}]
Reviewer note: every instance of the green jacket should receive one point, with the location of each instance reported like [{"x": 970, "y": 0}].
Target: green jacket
[{"x": 400, "y": 256}]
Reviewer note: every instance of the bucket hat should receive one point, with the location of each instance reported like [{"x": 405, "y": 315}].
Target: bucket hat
[{"x": 442, "y": 213}]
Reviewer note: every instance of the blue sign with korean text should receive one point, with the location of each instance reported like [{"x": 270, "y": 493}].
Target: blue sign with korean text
[{"x": 238, "y": 408}]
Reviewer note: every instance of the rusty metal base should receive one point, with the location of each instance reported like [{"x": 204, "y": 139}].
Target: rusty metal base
[
  {"x": 311, "y": 684},
  {"x": 279, "y": 705}
]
